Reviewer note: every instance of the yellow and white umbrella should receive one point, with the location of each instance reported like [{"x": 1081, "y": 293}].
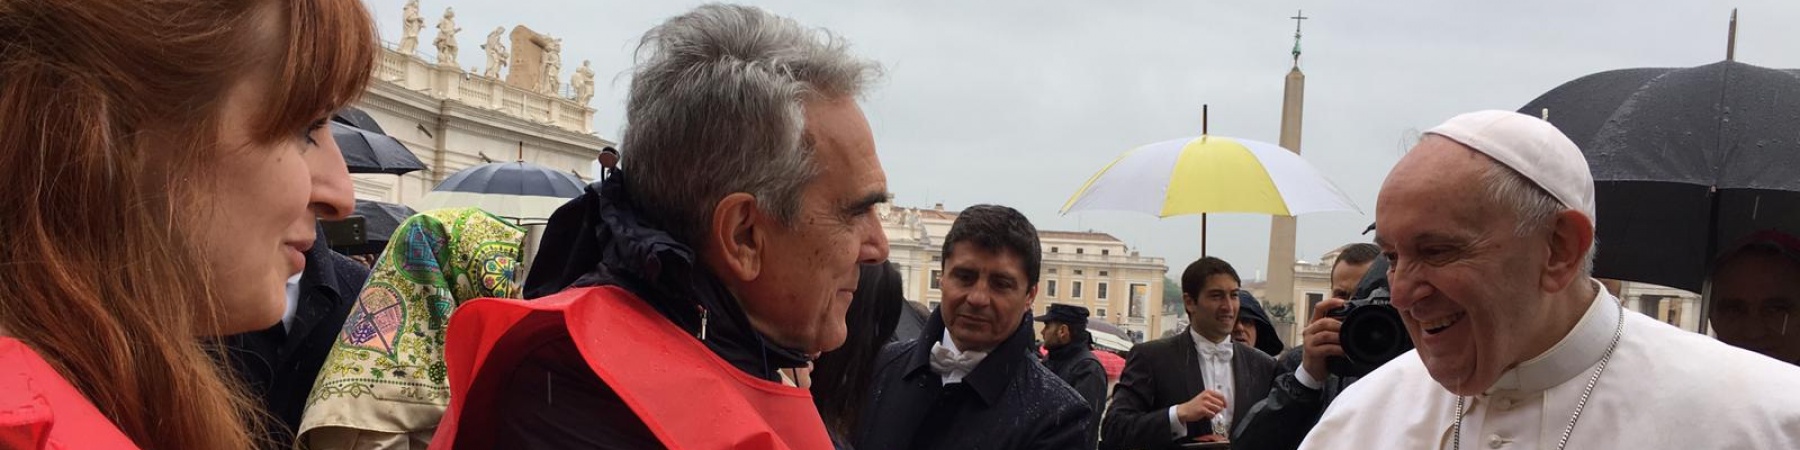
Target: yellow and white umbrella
[{"x": 1209, "y": 174}]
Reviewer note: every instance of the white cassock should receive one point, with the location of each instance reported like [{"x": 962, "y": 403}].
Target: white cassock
[{"x": 1665, "y": 388}]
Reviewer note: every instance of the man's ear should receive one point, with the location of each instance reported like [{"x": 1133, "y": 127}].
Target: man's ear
[
  {"x": 1572, "y": 236},
  {"x": 738, "y": 236}
]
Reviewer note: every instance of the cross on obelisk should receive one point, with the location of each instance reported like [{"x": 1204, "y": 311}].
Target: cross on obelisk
[{"x": 1298, "y": 16}]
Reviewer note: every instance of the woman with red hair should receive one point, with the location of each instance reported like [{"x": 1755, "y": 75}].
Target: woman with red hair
[{"x": 159, "y": 182}]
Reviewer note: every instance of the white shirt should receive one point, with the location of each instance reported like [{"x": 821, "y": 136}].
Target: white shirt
[
  {"x": 1663, "y": 388},
  {"x": 1215, "y": 369},
  {"x": 293, "y": 303}
]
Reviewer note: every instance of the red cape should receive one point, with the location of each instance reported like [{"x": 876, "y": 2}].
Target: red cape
[{"x": 687, "y": 396}]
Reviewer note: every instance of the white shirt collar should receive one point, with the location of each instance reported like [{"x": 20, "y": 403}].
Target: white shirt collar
[
  {"x": 293, "y": 302},
  {"x": 1574, "y": 354}
]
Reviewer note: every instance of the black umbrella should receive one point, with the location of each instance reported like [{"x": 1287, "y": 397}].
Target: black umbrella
[
  {"x": 516, "y": 190},
  {"x": 370, "y": 152},
  {"x": 1684, "y": 160},
  {"x": 379, "y": 220},
  {"x": 358, "y": 118}
]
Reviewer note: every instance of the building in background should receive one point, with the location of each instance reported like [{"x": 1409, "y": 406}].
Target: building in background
[
  {"x": 453, "y": 118},
  {"x": 1090, "y": 269}
]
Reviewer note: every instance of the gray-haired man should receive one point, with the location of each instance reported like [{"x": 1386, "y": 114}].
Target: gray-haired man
[{"x": 676, "y": 293}]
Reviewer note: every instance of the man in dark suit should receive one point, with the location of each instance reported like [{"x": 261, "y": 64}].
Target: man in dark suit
[
  {"x": 967, "y": 381},
  {"x": 1071, "y": 357},
  {"x": 1192, "y": 386}
]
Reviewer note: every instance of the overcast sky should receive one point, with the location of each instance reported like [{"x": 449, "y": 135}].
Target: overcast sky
[{"x": 1018, "y": 102}]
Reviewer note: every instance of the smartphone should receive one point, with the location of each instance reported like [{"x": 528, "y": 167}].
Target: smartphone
[{"x": 344, "y": 233}]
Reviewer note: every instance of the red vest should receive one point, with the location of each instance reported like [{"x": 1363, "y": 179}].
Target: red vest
[
  {"x": 687, "y": 396},
  {"x": 41, "y": 410}
]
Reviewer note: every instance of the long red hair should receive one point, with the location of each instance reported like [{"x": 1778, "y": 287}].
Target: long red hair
[{"x": 108, "y": 120}]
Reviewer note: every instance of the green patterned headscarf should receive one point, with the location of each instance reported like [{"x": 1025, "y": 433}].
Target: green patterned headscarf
[{"x": 383, "y": 384}]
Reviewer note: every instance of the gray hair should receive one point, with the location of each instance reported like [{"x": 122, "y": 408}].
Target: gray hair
[
  {"x": 1535, "y": 208},
  {"x": 716, "y": 108}
]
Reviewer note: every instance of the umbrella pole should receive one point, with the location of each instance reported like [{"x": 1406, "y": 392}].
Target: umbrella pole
[
  {"x": 1203, "y": 132},
  {"x": 1712, "y": 251}
]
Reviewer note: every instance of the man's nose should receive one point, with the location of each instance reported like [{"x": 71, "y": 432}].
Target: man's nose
[
  {"x": 874, "y": 248},
  {"x": 979, "y": 297},
  {"x": 333, "y": 194},
  {"x": 1406, "y": 288}
]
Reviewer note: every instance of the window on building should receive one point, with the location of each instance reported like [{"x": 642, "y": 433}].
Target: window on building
[
  {"x": 1077, "y": 272},
  {"x": 936, "y": 283},
  {"x": 1104, "y": 252},
  {"x": 1078, "y": 251},
  {"x": 1074, "y": 289},
  {"x": 1138, "y": 294},
  {"x": 937, "y": 258},
  {"x": 1101, "y": 292},
  {"x": 1052, "y": 249},
  {"x": 1103, "y": 273},
  {"x": 1050, "y": 288},
  {"x": 1101, "y": 313},
  {"x": 1053, "y": 271},
  {"x": 1313, "y": 299}
]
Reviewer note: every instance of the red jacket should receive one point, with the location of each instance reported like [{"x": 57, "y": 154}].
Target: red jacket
[
  {"x": 687, "y": 396},
  {"x": 41, "y": 410}
]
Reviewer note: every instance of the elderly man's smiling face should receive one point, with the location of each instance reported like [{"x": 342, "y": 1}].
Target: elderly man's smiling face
[{"x": 1466, "y": 285}]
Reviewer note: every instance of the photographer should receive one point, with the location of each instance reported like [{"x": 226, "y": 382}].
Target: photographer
[{"x": 1304, "y": 388}]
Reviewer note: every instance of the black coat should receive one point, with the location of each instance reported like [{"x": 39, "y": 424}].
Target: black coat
[
  {"x": 279, "y": 366},
  {"x": 1076, "y": 364},
  {"x": 1008, "y": 402},
  {"x": 1166, "y": 372},
  {"x": 1283, "y": 419},
  {"x": 552, "y": 399}
]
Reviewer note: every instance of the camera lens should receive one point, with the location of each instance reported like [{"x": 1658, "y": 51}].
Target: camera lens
[{"x": 1374, "y": 334}]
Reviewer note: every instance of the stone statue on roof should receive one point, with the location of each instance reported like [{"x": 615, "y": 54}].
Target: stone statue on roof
[
  {"x": 551, "y": 82},
  {"x": 583, "y": 83},
  {"x": 410, "y": 26},
  {"x": 446, "y": 38},
  {"x": 496, "y": 53}
]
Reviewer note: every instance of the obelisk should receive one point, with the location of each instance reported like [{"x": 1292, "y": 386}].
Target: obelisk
[{"x": 1280, "y": 287}]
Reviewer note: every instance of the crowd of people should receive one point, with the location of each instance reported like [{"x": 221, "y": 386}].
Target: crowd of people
[{"x": 168, "y": 161}]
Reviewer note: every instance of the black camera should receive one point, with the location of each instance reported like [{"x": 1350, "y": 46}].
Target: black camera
[{"x": 1372, "y": 332}]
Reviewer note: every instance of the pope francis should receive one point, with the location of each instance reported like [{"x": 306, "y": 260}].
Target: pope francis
[{"x": 1489, "y": 223}]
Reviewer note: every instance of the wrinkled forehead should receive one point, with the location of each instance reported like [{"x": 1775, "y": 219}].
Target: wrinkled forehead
[{"x": 1436, "y": 190}]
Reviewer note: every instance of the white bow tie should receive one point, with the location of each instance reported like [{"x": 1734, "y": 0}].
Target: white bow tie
[
  {"x": 1217, "y": 352},
  {"x": 945, "y": 361}
]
